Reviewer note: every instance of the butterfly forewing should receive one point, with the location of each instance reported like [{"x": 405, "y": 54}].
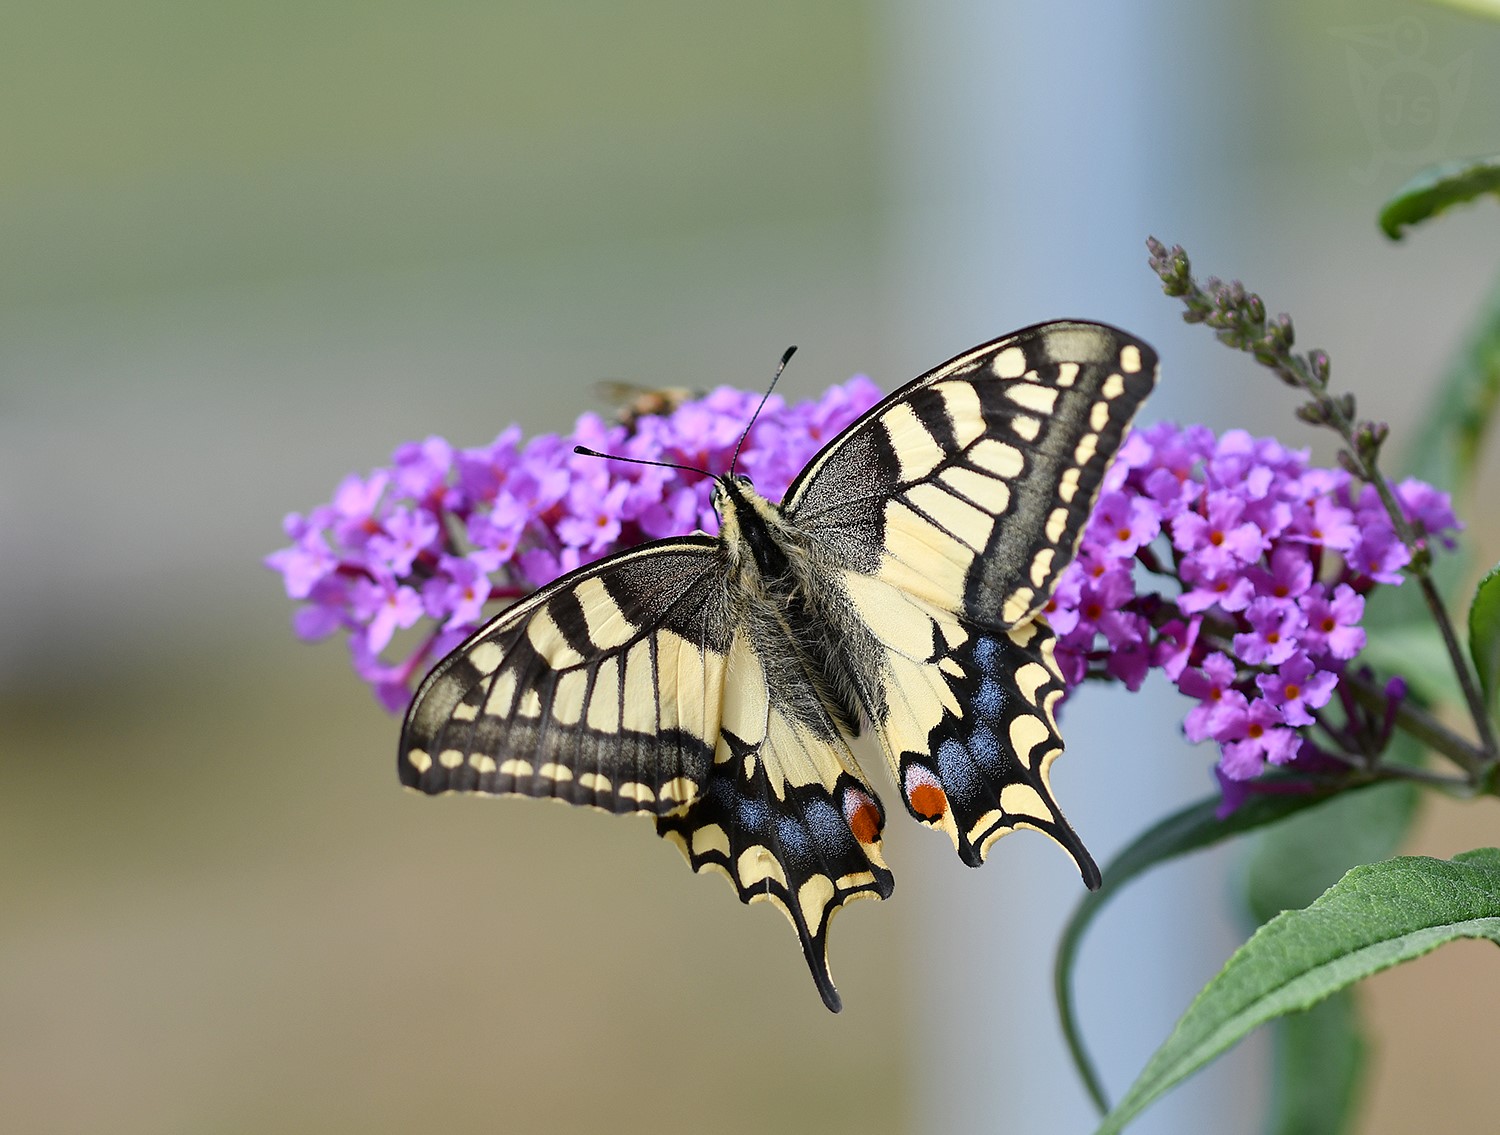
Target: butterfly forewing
[
  {"x": 970, "y": 486},
  {"x": 604, "y": 688}
]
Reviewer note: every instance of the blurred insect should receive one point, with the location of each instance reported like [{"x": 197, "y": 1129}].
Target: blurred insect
[{"x": 633, "y": 402}]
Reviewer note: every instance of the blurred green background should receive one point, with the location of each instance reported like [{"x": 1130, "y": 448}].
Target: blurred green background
[{"x": 248, "y": 248}]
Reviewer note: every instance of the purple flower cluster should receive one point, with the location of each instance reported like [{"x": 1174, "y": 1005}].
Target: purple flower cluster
[
  {"x": 1269, "y": 562},
  {"x": 1226, "y": 561},
  {"x": 442, "y": 531}
]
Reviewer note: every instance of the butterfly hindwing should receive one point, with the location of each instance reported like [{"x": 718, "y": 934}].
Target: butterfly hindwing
[
  {"x": 965, "y": 714},
  {"x": 786, "y": 816},
  {"x": 990, "y": 760}
]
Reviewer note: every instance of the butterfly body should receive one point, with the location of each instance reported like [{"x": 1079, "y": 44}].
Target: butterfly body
[
  {"x": 713, "y": 682},
  {"x": 772, "y": 567}
]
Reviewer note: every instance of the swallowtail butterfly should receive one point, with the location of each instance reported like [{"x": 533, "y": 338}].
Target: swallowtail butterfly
[{"x": 713, "y": 682}]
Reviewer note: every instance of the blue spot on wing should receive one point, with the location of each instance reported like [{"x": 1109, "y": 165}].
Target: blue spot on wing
[
  {"x": 984, "y": 746},
  {"x": 796, "y": 845},
  {"x": 988, "y": 700},
  {"x": 827, "y": 823},
  {"x": 751, "y": 814},
  {"x": 960, "y": 778}
]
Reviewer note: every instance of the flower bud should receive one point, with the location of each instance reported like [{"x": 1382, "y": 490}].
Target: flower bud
[
  {"x": 1314, "y": 413},
  {"x": 1318, "y": 366},
  {"x": 1368, "y": 437}
]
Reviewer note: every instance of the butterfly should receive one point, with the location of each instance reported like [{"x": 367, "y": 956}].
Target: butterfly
[{"x": 714, "y": 682}]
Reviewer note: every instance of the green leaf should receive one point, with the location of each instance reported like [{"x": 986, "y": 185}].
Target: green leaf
[
  {"x": 1375, "y": 917},
  {"x": 1437, "y": 188},
  {"x": 1190, "y": 829},
  {"x": 1485, "y": 857},
  {"x": 1484, "y": 634},
  {"x": 1290, "y": 867},
  {"x": 1302, "y": 858}
]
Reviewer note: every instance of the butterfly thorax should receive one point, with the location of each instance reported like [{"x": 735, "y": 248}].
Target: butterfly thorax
[
  {"x": 760, "y": 545},
  {"x": 771, "y": 572}
]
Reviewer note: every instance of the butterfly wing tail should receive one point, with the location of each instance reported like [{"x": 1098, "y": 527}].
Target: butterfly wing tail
[{"x": 807, "y": 853}]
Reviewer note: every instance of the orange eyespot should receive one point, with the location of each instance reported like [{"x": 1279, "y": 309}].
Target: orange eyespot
[
  {"x": 862, "y": 815},
  {"x": 865, "y": 823},
  {"x": 928, "y": 801}
]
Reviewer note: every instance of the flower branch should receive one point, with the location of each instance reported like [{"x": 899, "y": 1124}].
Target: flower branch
[
  {"x": 1240, "y": 320},
  {"x": 1422, "y": 725}
]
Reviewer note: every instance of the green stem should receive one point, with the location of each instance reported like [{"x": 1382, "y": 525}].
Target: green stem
[
  {"x": 1453, "y": 785},
  {"x": 1472, "y": 697},
  {"x": 1420, "y": 569},
  {"x": 1419, "y": 723}
]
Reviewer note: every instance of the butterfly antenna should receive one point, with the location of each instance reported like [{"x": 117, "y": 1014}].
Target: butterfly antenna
[
  {"x": 587, "y": 452},
  {"x": 785, "y": 358}
]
